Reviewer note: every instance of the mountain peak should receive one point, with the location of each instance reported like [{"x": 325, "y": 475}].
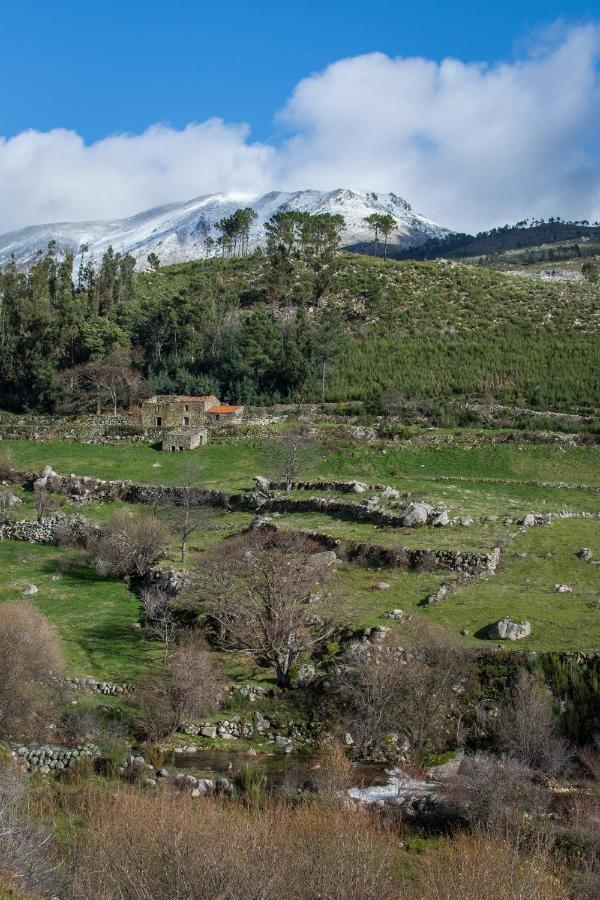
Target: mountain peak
[{"x": 178, "y": 231}]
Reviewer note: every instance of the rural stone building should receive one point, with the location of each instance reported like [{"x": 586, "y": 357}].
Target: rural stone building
[
  {"x": 178, "y": 441},
  {"x": 223, "y": 413},
  {"x": 171, "y": 411}
]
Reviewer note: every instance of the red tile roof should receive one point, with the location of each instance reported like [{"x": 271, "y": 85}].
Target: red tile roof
[{"x": 224, "y": 409}]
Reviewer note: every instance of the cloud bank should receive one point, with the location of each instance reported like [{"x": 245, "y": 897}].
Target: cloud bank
[{"x": 469, "y": 145}]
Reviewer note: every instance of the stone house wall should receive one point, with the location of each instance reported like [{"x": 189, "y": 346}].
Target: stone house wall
[
  {"x": 176, "y": 412},
  {"x": 176, "y": 441}
]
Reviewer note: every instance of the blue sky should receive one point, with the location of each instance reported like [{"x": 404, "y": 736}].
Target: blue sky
[
  {"x": 478, "y": 113},
  {"x": 113, "y": 66}
]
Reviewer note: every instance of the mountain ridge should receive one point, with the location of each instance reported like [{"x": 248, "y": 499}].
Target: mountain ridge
[{"x": 176, "y": 232}]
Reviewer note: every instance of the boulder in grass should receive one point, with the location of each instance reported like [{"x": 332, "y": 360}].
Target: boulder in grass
[
  {"x": 262, "y": 483},
  {"x": 528, "y": 520},
  {"x": 9, "y": 500},
  {"x": 563, "y": 588},
  {"x": 30, "y": 589},
  {"x": 585, "y": 554},
  {"x": 416, "y": 514},
  {"x": 357, "y": 487},
  {"x": 440, "y": 519},
  {"x": 507, "y": 630}
]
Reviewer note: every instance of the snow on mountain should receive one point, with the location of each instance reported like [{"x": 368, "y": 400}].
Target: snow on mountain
[{"x": 177, "y": 232}]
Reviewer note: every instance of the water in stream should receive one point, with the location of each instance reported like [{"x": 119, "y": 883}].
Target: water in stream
[{"x": 293, "y": 768}]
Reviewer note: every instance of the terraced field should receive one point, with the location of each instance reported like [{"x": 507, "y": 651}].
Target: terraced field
[{"x": 494, "y": 486}]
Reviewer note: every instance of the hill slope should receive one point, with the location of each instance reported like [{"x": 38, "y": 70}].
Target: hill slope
[{"x": 177, "y": 232}]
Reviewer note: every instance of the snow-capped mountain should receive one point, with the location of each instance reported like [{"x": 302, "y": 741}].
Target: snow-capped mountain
[{"x": 177, "y": 232}]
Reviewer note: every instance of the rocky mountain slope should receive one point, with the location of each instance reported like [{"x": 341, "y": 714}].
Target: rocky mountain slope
[{"x": 177, "y": 232}]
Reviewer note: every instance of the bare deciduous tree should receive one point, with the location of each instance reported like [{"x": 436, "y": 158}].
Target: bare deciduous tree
[
  {"x": 496, "y": 791},
  {"x": 191, "y": 686},
  {"x": 160, "y": 623},
  {"x": 528, "y": 728},
  {"x": 188, "y": 516},
  {"x": 289, "y": 455},
  {"x": 25, "y": 859},
  {"x": 45, "y": 502},
  {"x": 129, "y": 545},
  {"x": 110, "y": 381},
  {"x": 257, "y": 599},
  {"x": 30, "y": 655},
  {"x": 406, "y": 691}
]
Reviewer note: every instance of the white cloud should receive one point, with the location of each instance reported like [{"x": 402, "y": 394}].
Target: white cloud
[
  {"x": 54, "y": 176},
  {"x": 470, "y": 145}
]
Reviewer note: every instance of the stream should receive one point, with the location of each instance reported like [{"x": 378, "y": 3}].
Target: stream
[
  {"x": 373, "y": 782},
  {"x": 279, "y": 767}
]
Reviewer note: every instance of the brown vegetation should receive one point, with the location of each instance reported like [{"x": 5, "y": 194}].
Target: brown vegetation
[
  {"x": 192, "y": 686},
  {"x": 165, "y": 846},
  {"x": 129, "y": 545},
  {"x": 261, "y": 599},
  {"x": 30, "y": 655},
  {"x": 404, "y": 691}
]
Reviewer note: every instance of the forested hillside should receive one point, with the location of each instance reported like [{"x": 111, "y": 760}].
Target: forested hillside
[{"x": 293, "y": 323}]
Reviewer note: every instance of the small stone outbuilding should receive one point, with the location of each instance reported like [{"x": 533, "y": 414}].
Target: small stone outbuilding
[
  {"x": 222, "y": 414},
  {"x": 178, "y": 441}
]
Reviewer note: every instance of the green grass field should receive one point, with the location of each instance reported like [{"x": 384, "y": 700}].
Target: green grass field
[
  {"x": 524, "y": 588},
  {"x": 94, "y": 615}
]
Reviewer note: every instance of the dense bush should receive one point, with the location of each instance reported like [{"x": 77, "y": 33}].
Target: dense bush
[{"x": 30, "y": 658}]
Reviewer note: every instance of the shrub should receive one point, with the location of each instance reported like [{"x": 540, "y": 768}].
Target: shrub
[
  {"x": 494, "y": 792},
  {"x": 164, "y": 846},
  {"x": 30, "y": 656},
  {"x": 129, "y": 545},
  {"x": 251, "y": 780},
  {"x": 528, "y": 728},
  {"x": 332, "y": 771},
  {"x": 192, "y": 686}
]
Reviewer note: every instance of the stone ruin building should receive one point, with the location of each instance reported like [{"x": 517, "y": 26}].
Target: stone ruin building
[{"x": 185, "y": 418}]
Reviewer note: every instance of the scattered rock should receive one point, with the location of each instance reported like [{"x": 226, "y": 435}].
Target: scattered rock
[
  {"x": 9, "y": 500},
  {"x": 357, "y": 487},
  {"x": 585, "y": 554},
  {"x": 325, "y": 559},
  {"x": 440, "y": 519},
  {"x": 381, "y": 586},
  {"x": 465, "y": 632},
  {"x": 528, "y": 520},
  {"x": 466, "y": 521},
  {"x": 305, "y": 675},
  {"x": 416, "y": 514},
  {"x": 441, "y": 594},
  {"x": 507, "y": 630},
  {"x": 397, "y": 614},
  {"x": 262, "y": 483},
  {"x": 563, "y": 588},
  {"x": 209, "y": 731},
  {"x": 30, "y": 589},
  {"x": 259, "y": 522}
]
